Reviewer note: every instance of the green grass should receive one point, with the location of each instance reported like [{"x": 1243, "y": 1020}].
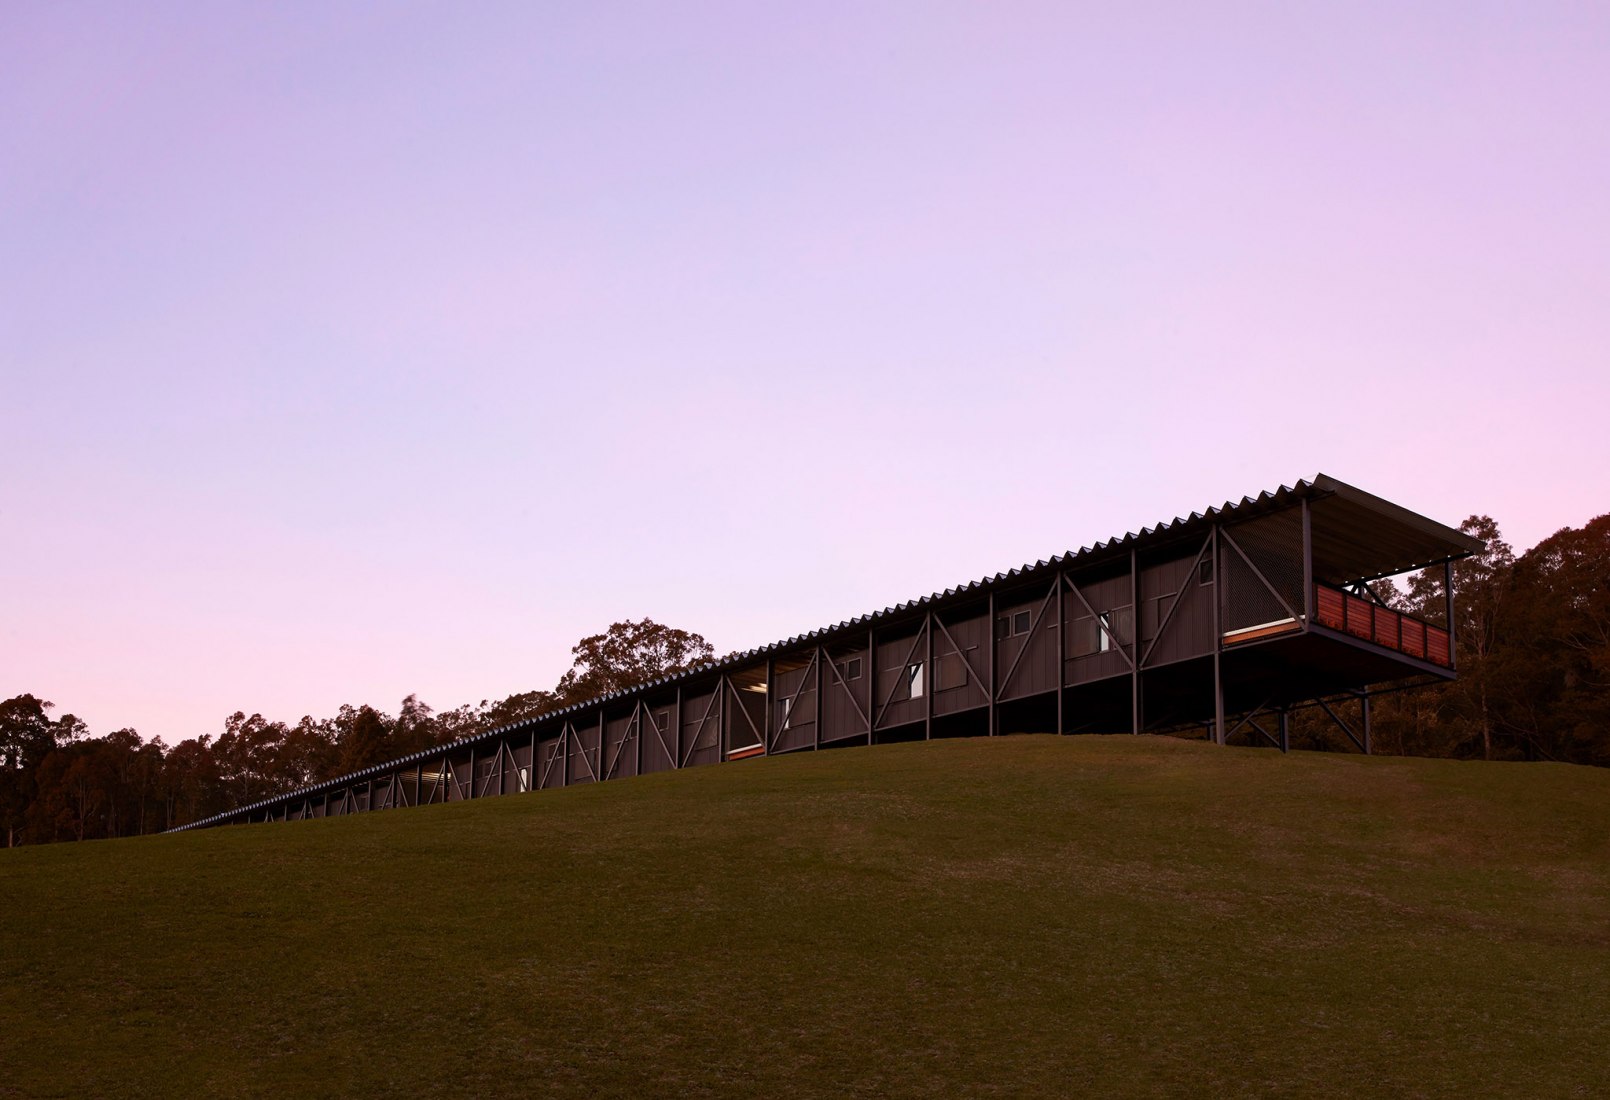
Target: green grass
[{"x": 1023, "y": 916}]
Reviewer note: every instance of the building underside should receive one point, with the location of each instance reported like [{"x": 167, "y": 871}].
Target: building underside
[{"x": 1223, "y": 622}]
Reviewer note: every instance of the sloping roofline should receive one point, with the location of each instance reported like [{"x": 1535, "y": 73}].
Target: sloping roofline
[{"x": 1458, "y": 544}]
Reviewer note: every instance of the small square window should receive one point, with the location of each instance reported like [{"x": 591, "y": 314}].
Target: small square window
[
  {"x": 851, "y": 669},
  {"x": 1020, "y": 623}
]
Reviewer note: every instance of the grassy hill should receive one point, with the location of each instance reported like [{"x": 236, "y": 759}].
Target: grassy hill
[{"x": 1029, "y": 915}]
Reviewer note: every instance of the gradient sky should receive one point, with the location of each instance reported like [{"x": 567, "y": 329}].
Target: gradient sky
[{"x": 353, "y": 351}]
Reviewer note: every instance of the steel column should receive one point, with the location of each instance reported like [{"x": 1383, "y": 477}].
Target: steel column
[
  {"x": 871, "y": 675},
  {"x": 1062, "y": 659},
  {"x": 821, "y": 700},
  {"x": 1447, "y": 590},
  {"x": 928, "y": 676},
  {"x": 1218, "y": 646},
  {"x": 1285, "y": 730},
  {"x": 1308, "y": 567},
  {"x": 1134, "y": 644},
  {"x": 771, "y": 686},
  {"x": 472, "y": 772},
  {"x": 990, "y": 634},
  {"x": 1364, "y": 703}
]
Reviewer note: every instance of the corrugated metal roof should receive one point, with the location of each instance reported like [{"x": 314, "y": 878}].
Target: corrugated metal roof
[{"x": 1457, "y": 543}]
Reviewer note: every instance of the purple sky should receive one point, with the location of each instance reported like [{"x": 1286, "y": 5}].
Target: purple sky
[{"x": 352, "y": 352}]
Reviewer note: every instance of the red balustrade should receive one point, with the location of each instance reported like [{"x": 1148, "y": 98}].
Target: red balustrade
[{"x": 1371, "y": 622}]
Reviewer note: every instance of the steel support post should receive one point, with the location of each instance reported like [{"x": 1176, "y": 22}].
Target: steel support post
[
  {"x": 369, "y": 799},
  {"x": 1285, "y": 730},
  {"x": 472, "y": 772},
  {"x": 531, "y": 768},
  {"x": 821, "y": 700},
  {"x": 872, "y": 683},
  {"x": 1447, "y": 595},
  {"x": 1062, "y": 658},
  {"x": 991, "y": 635},
  {"x": 1218, "y": 646},
  {"x": 766, "y": 740},
  {"x": 603, "y": 737},
  {"x": 1134, "y": 645},
  {"x": 1308, "y": 567},
  {"x": 676, "y": 735},
  {"x": 1364, "y": 705},
  {"x": 928, "y": 676}
]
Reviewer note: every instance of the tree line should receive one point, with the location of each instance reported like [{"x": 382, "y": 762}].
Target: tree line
[
  {"x": 59, "y": 783},
  {"x": 1533, "y": 647}
]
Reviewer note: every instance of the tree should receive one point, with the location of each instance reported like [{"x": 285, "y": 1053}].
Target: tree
[
  {"x": 363, "y": 736},
  {"x": 629, "y": 654},
  {"x": 1558, "y": 628},
  {"x": 27, "y": 736},
  {"x": 515, "y": 708},
  {"x": 1481, "y": 585}
]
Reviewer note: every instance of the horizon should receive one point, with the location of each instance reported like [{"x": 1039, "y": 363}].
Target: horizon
[{"x": 354, "y": 355}]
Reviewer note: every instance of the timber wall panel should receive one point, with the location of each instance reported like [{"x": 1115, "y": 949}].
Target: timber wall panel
[
  {"x": 1036, "y": 668},
  {"x": 890, "y": 683},
  {"x": 845, "y": 701},
  {"x": 1189, "y": 632},
  {"x": 550, "y": 763},
  {"x": 620, "y": 745},
  {"x": 794, "y": 710},
  {"x": 701, "y": 727},
  {"x": 958, "y": 687}
]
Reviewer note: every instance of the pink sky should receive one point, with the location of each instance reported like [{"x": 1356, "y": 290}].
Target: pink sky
[{"x": 347, "y": 352}]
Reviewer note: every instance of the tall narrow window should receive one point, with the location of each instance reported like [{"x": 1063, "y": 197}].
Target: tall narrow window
[
  {"x": 788, "y": 712},
  {"x": 914, "y": 680},
  {"x": 1104, "y": 635}
]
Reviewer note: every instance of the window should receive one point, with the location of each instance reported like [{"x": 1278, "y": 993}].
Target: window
[
  {"x": 914, "y": 680},
  {"x": 787, "y": 708},
  {"x": 1013, "y": 624},
  {"x": 1104, "y": 635},
  {"x": 851, "y": 669},
  {"x": 663, "y": 720},
  {"x": 1204, "y": 572}
]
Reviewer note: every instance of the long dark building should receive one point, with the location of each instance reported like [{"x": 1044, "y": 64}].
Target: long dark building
[{"x": 1221, "y": 623}]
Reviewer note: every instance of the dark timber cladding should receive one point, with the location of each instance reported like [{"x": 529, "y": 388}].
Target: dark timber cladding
[{"x": 1220, "y": 623}]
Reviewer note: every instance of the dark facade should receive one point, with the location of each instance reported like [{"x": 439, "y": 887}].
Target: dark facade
[{"x": 1221, "y": 622}]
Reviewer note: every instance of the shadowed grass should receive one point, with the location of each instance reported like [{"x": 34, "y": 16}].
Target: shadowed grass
[{"x": 1027, "y": 915}]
